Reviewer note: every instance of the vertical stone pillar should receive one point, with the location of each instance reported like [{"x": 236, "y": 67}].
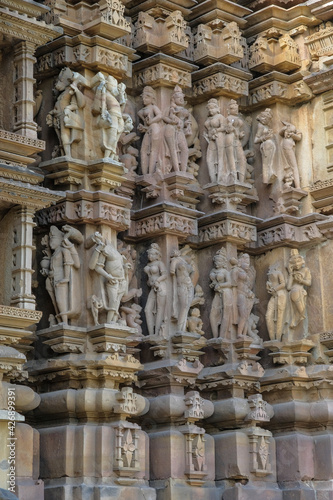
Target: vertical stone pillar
[{"x": 24, "y": 94}]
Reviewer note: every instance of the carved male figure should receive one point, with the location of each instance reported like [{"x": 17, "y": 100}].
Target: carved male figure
[
  {"x": 299, "y": 278},
  {"x": 60, "y": 265},
  {"x": 290, "y": 135},
  {"x": 66, "y": 117},
  {"x": 235, "y": 156},
  {"x": 221, "y": 316},
  {"x": 276, "y": 308},
  {"x": 264, "y": 137},
  {"x": 112, "y": 269},
  {"x": 214, "y": 133},
  {"x": 183, "y": 288}
]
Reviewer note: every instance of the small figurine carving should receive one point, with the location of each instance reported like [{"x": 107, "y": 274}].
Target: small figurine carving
[
  {"x": 156, "y": 302},
  {"x": 183, "y": 288},
  {"x": 131, "y": 315},
  {"x": 108, "y": 110},
  {"x": 264, "y": 137},
  {"x": 66, "y": 117},
  {"x": 214, "y": 134},
  {"x": 222, "y": 312},
  {"x": 194, "y": 323},
  {"x": 151, "y": 117},
  {"x": 235, "y": 155},
  {"x": 177, "y": 128},
  {"x": 276, "y": 308},
  {"x": 299, "y": 278},
  {"x": 113, "y": 272},
  {"x": 290, "y": 135},
  {"x": 127, "y": 152},
  {"x": 60, "y": 265}
]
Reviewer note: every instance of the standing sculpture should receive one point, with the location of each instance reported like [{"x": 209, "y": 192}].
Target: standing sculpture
[
  {"x": 276, "y": 315},
  {"x": 214, "y": 133},
  {"x": 112, "y": 269},
  {"x": 60, "y": 265},
  {"x": 67, "y": 117},
  {"x": 290, "y": 135},
  {"x": 156, "y": 303},
  {"x": 222, "y": 312},
  {"x": 183, "y": 288},
  {"x": 151, "y": 127},
  {"x": 264, "y": 137},
  {"x": 299, "y": 278},
  {"x": 243, "y": 279},
  {"x": 177, "y": 128},
  {"x": 108, "y": 110},
  {"x": 235, "y": 132}
]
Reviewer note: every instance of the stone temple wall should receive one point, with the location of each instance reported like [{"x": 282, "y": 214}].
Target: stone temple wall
[{"x": 166, "y": 249}]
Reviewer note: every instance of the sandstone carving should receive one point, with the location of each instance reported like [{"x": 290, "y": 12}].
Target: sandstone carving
[
  {"x": 235, "y": 133},
  {"x": 276, "y": 315},
  {"x": 178, "y": 127},
  {"x": 112, "y": 269},
  {"x": 299, "y": 278},
  {"x": 265, "y": 138},
  {"x": 290, "y": 135},
  {"x": 156, "y": 303},
  {"x": 194, "y": 323},
  {"x": 60, "y": 265},
  {"x": 215, "y": 135},
  {"x": 66, "y": 117},
  {"x": 223, "y": 307},
  {"x": 183, "y": 288},
  {"x": 151, "y": 127},
  {"x": 109, "y": 99}
]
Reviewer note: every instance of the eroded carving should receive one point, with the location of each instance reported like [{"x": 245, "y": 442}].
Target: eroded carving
[
  {"x": 265, "y": 138},
  {"x": 156, "y": 303}
]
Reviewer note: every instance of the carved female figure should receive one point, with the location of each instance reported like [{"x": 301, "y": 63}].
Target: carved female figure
[
  {"x": 243, "y": 277},
  {"x": 290, "y": 135},
  {"x": 221, "y": 315},
  {"x": 66, "y": 117},
  {"x": 109, "y": 113},
  {"x": 276, "y": 308},
  {"x": 183, "y": 288},
  {"x": 235, "y": 156},
  {"x": 151, "y": 117},
  {"x": 60, "y": 265},
  {"x": 156, "y": 302},
  {"x": 299, "y": 277},
  {"x": 264, "y": 137},
  {"x": 112, "y": 269},
  {"x": 178, "y": 127},
  {"x": 214, "y": 134}
]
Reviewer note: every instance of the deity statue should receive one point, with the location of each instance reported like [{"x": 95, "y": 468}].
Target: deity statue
[
  {"x": 222, "y": 312},
  {"x": 66, "y": 117},
  {"x": 290, "y": 135},
  {"x": 183, "y": 288},
  {"x": 234, "y": 133},
  {"x": 156, "y": 303},
  {"x": 60, "y": 265},
  {"x": 265, "y": 138},
  {"x": 112, "y": 269},
  {"x": 276, "y": 315},
  {"x": 109, "y": 100},
  {"x": 214, "y": 134},
  {"x": 178, "y": 127},
  {"x": 151, "y": 127},
  {"x": 299, "y": 278},
  {"x": 194, "y": 323},
  {"x": 243, "y": 279}
]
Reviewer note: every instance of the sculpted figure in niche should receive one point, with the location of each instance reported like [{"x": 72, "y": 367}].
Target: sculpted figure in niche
[
  {"x": 66, "y": 117},
  {"x": 243, "y": 278},
  {"x": 194, "y": 323},
  {"x": 60, "y": 265},
  {"x": 299, "y": 278},
  {"x": 234, "y": 133},
  {"x": 276, "y": 308},
  {"x": 156, "y": 302},
  {"x": 183, "y": 288},
  {"x": 290, "y": 135},
  {"x": 214, "y": 133},
  {"x": 151, "y": 127},
  {"x": 222, "y": 312},
  {"x": 264, "y": 137},
  {"x": 112, "y": 269},
  {"x": 178, "y": 127},
  {"x": 108, "y": 110}
]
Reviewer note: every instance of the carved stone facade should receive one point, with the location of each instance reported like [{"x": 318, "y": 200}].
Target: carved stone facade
[{"x": 166, "y": 202}]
